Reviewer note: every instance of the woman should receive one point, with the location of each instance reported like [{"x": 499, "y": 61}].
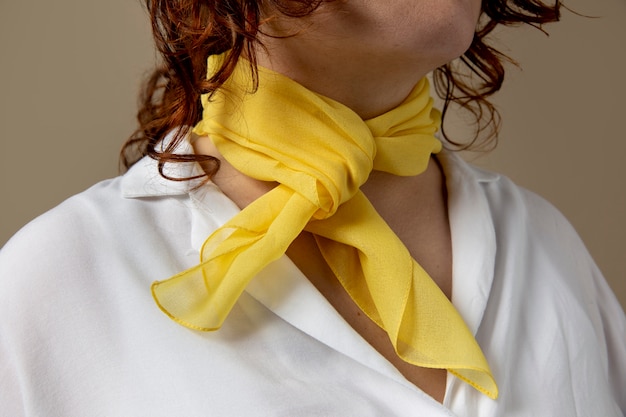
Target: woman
[{"x": 413, "y": 284}]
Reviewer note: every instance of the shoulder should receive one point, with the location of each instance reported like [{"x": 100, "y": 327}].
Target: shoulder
[
  {"x": 87, "y": 240},
  {"x": 136, "y": 222},
  {"x": 63, "y": 244},
  {"x": 65, "y": 228},
  {"x": 537, "y": 253},
  {"x": 531, "y": 246},
  {"x": 547, "y": 302},
  {"x": 77, "y": 279},
  {"x": 516, "y": 213},
  {"x": 83, "y": 223}
]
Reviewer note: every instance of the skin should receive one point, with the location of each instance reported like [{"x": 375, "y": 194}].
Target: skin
[{"x": 368, "y": 54}]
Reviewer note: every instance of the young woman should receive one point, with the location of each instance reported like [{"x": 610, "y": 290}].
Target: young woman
[{"x": 349, "y": 264}]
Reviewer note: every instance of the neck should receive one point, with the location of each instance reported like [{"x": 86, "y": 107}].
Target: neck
[
  {"x": 360, "y": 89},
  {"x": 338, "y": 65}
]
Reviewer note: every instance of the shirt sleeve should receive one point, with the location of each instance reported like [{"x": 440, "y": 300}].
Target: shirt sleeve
[
  {"x": 613, "y": 329},
  {"x": 12, "y": 403},
  {"x": 12, "y": 393}
]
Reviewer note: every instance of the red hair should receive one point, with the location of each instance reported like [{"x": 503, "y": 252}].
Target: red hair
[{"x": 186, "y": 32}]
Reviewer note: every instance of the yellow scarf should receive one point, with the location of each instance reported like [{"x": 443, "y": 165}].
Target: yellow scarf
[{"x": 320, "y": 152}]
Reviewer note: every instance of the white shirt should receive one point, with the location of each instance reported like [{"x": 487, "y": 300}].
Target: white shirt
[{"x": 80, "y": 334}]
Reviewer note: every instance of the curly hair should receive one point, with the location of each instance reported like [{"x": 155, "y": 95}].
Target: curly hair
[{"x": 186, "y": 32}]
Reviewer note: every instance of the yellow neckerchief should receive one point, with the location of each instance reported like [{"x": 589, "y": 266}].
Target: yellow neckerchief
[{"x": 320, "y": 152}]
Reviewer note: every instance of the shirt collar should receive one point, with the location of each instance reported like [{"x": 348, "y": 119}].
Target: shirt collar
[
  {"x": 473, "y": 236},
  {"x": 144, "y": 180}
]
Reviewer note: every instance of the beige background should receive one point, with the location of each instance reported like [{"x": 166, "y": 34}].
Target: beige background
[{"x": 69, "y": 73}]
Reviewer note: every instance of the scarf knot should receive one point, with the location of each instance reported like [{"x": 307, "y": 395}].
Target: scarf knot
[{"x": 320, "y": 153}]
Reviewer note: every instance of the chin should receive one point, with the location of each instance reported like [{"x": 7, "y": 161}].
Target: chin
[
  {"x": 452, "y": 38},
  {"x": 433, "y": 31}
]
